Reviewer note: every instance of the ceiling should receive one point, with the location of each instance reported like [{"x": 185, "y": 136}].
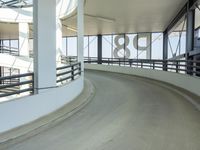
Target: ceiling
[
  {"x": 117, "y": 16},
  {"x": 127, "y": 16}
]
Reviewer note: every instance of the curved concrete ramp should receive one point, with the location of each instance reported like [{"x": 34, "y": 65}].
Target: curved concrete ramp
[{"x": 127, "y": 113}]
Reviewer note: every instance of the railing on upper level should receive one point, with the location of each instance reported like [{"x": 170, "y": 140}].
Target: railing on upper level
[
  {"x": 9, "y": 50},
  {"x": 68, "y": 60},
  {"x": 25, "y": 82},
  {"x": 178, "y": 66},
  {"x": 68, "y": 73},
  {"x": 25, "y": 85}
]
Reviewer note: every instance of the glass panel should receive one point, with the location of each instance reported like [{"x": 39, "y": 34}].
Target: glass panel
[
  {"x": 86, "y": 47},
  {"x": 144, "y": 46},
  {"x": 93, "y": 46},
  {"x": 107, "y": 46},
  {"x": 14, "y": 44},
  {"x": 177, "y": 39},
  {"x": 157, "y": 46},
  {"x": 131, "y": 46},
  {"x": 6, "y": 43},
  {"x": 72, "y": 46},
  {"x": 118, "y": 46},
  {"x": 64, "y": 46}
]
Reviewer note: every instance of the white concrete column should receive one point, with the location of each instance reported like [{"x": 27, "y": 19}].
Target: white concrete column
[
  {"x": 24, "y": 39},
  {"x": 58, "y": 40},
  {"x": 80, "y": 32},
  {"x": 44, "y": 22}
]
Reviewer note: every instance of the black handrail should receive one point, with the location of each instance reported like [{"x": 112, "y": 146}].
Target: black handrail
[
  {"x": 9, "y": 50},
  {"x": 178, "y": 66},
  {"x": 5, "y": 88},
  {"x": 64, "y": 74},
  {"x": 68, "y": 73}
]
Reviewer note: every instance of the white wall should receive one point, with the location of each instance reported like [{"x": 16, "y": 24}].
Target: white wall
[
  {"x": 27, "y": 109},
  {"x": 186, "y": 82}
]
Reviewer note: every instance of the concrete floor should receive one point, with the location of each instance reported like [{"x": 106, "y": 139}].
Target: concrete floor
[{"x": 127, "y": 113}]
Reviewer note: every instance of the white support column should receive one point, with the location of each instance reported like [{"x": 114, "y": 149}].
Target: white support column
[
  {"x": 58, "y": 40},
  {"x": 44, "y": 43},
  {"x": 24, "y": 39},
  {"x": 80, "y": 32}
]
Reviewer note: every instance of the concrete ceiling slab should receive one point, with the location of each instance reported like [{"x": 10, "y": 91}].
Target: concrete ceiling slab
[
  {"x": 117, "y": 16},
  {"x": 127, "y": 16}
]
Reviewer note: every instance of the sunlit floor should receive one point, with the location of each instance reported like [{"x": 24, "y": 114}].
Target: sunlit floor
[{"x": 127, "y": 113}]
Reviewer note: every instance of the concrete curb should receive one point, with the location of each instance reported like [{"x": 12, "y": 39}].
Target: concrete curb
[{"x": 26, "y": 131}]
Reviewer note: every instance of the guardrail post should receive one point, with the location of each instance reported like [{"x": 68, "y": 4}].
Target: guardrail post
[
  {"x": 165, "y": 65},
  {"x": 190, "y": 38},
  {"x": 79, "y": 68},
  {"x": 177, "y": 66},
  {"x": 0, "y": 74},
  {"x": 165, "y": 50},
  {"x": 99, "y": 39},
  {"x": 130, "y": 63},
  {"x": 72, "y": 68},
  {"x": 33, "y": 87}
]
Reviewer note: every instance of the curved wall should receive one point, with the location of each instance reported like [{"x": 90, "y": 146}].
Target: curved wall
[
  {"x": 191, "y": 84},
  {"x": 24, "y": 110}
]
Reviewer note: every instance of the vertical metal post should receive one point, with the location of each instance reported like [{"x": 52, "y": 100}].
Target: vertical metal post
[
  {"x": 190, "y": 38},
  {"x": 165, "y": 50},
  {"x": 177, "y": 66},
  {"x": 72, "y": 68},
  {"x": 99, "y": 37},
  {"x": 0, "y": 75},
  {"x": 79, "y": 65},
  {"x": 1, "y": 46},
  {"x": 33, "y": 87}
]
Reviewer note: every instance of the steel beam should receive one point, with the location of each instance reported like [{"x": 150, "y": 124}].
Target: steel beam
[
  {"x": 190, "y": 37},
  {"x": 189, "y": 5},
  {"x": 99, "y": 37}
]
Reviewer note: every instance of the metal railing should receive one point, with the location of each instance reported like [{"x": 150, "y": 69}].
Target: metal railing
[
  {"x": 68, "y": 73},
  {"x": 9, "y": 50},
  {"x": 24, "y": 85},
  {"x": 25, "y": 82},
  {"x": 69, "y": 60},
  {"x": 177, "y": 66}
]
